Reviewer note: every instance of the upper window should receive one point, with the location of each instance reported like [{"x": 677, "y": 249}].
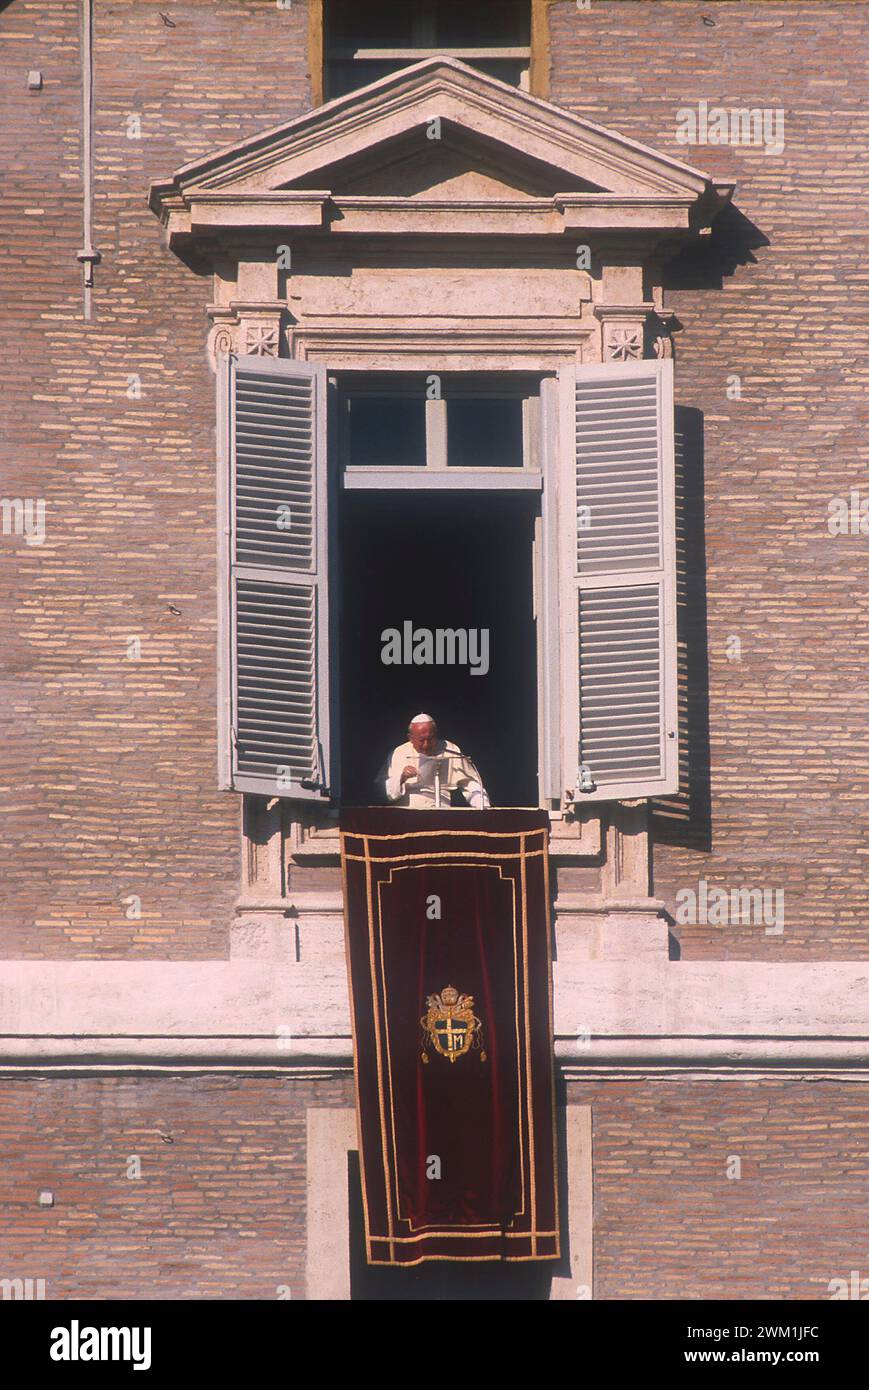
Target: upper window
[
  {"x": 477, "y": 421},
  {"x": 364, "y": 41}
]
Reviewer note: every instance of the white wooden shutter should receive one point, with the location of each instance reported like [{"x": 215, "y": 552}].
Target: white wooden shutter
[
  {"x": 274, "y": 642},
  {"x": 617, "y": 580}
]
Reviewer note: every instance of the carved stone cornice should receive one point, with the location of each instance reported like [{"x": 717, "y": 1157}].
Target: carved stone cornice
[
  {"x": 200, "y": 216},
  {"x": 435, "y": 153},
  {"x": 448, "y": 90},
  {"x": 409, "y": 343},
  {"x": 642, "y": 1014}
]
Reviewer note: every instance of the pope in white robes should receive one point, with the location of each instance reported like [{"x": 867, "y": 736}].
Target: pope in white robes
[{"x": 423, "y": 772}]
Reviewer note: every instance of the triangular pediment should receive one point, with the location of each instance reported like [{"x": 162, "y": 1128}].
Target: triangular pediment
[
  {"x": 436, "y": 130},
  {"x": 458, "y": 164}
]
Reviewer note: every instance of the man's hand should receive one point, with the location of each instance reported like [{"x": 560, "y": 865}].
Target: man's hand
[{"x": 407, "y": 772}]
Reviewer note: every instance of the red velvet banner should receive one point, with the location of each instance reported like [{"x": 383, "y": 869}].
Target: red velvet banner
[{"x": 447, "y": 919}]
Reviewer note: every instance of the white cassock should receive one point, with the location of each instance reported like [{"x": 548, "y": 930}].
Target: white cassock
[{"x": 448, "y": 765}]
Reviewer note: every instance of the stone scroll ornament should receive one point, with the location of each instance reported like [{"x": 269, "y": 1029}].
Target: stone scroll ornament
[
  {"x": 221, "y": 342},
  {"x": 448, "y": 937}
]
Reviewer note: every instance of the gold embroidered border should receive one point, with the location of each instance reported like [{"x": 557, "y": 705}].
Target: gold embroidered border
[
  {"x": 522, "y": 1119},
  {"x": 447, "y": 1233},
  {"x": 441, "y": 854},
  {"x": 368, "y": 835},
  {"x": 359, "y": 1136},
  {"x": 464, "y": 1259}
]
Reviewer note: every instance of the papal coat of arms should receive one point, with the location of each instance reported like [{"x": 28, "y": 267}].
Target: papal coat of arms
[{"x": 450, "y": 1025}]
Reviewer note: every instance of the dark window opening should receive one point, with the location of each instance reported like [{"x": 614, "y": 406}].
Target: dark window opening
[
  {"x": 484, "y": 433},
  {"x": 365, "y": 41},
  {"x": 461, "y": 24},
  {"x": 385, "y": 431},
  {"x": 439, "y": 560}
]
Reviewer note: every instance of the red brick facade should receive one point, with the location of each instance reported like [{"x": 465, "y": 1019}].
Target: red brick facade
[
  {"x": 111, "y": 762},
  {"x": 219, "y": 1212}
]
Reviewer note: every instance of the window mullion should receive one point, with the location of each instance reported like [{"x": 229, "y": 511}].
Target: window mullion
[{"x": 436, "y": 434}]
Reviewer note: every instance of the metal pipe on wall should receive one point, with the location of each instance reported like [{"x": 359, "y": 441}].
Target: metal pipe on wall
[{"x": 88, "y": 256}]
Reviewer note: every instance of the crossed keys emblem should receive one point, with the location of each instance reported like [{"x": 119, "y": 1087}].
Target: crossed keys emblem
[{"x": 450, "y": 1025}]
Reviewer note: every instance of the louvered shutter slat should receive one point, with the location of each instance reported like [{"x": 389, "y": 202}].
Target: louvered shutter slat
[
  {"x": 614, "y": 730},
  {"x": 275, "y": 728},
  {"x": 275, "y": 473},
  {"x": 618, "y": 582}
]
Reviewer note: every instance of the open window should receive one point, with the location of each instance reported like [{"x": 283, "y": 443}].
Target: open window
[
  {"x": 439, "y": 510},
  {"x": 367, "y": 39},
  {"x": 538, "y": 511}
]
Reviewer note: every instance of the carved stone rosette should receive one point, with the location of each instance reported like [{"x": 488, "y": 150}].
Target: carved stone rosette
[
  {"x": 623, "y": 331},
  {"x": 260, "y": 337},
  {"x": 622, "y": 342}
]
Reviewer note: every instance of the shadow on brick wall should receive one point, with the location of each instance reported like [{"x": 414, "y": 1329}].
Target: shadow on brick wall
[
  {"x": 685, "y": 819},
  {"x": 704, "y": 264}
]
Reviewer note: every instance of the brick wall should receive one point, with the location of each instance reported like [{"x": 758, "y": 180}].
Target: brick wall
[
  {"x": 669, "y": 1223},
  {"x": 109, "y": 763},
  {"x": 788, "y": 722},
  {"x": 219, "y": 1211}
]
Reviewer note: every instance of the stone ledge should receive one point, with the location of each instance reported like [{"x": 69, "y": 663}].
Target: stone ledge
[{"x": 613, "y": 1012}]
